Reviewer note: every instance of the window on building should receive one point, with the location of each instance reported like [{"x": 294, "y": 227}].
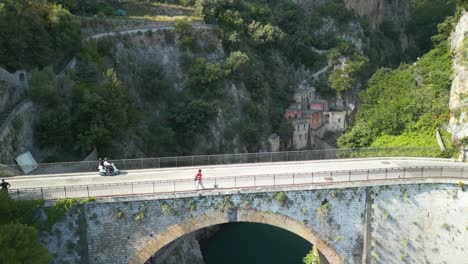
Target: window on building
[
  {"x": 339, "y": 120},
  {"x": 300, "y": 137}
]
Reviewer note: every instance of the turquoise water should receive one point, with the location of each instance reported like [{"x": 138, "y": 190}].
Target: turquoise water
[{"x": 248, "y": 243}]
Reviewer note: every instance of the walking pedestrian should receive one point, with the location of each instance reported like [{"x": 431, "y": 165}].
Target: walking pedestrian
[
  {"x": 198, "y": 180},
  {"x": 5, "y": 185}
]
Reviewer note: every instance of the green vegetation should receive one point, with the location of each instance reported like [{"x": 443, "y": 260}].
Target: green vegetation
[
  {"x": 57, "y": 211},
  {"x": 461, "y": 185},
  {"x": 281, "y": 198},
  {"x": 36, "y": 34},
  {"x": 193, "y": 207},
  {"x": 400, "y": 107},
  {"x": 404, "y": 107},
  {"x": 405, "y": 241},
  {"x": 90, "y": 107},
  {"x": 19, "y": 244},
  {"x": 166, "y": 209},
  {"x": 343, "y": 79},
  {"x": 20, "y": 222},
  {"x": 118, "y": 213},
  {"x": 261, "y": 37},
  {"x": 135, "y": 107},
  {"x": 324, "y": 210},
  {"x": 184, "y": 30},
  {"x": 226, "y": 204},
  {"x": 464, "y": 52},
  {"x": 140, "y": 216},
  {"x": 312, "y": 257},
  {"x": 426, "y": 15}
]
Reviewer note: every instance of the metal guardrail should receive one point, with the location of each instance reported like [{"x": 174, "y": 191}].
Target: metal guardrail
[
  {"x": 239, "y": 182},
  {"x": 223, "y": 159}
]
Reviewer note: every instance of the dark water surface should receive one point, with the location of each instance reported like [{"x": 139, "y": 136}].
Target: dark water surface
[{"x": 248, "y": 243}]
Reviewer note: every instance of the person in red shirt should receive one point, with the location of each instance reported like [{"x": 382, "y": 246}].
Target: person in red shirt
[{"x": 198, "y": 180}]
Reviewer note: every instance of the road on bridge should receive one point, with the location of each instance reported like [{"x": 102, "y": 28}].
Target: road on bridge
[{"x": 235, "y": 176}]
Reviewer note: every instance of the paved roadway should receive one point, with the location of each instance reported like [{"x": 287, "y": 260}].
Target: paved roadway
[{"x": 226, "y": 171}]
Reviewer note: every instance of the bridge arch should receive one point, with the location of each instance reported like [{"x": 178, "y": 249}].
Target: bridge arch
[{"x": 251, "y": 216}]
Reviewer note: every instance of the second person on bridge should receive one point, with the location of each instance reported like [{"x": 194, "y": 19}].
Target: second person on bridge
[{"x": 198, "y": 180}]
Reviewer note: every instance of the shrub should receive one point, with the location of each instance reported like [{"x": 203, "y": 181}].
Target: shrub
[
  {"x": 226, "y": 204},
  {"x": 265, "y": 34},
  {"x": 236, "y": 62},
  {"x": 312, "y": 257},
  {"x": 139, "y": 216},
  {"x": 461, "y": 185},
  {"x": 281, "y": 198},
  {"x": 324, "y": 210},
  {"x": 118, "y": 213},
  {"x": 184, "y": 31},
  {"x": 166, "y": 209}
]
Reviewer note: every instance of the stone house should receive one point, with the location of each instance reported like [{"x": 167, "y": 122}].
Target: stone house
[
  {"x": 315, "y": 118},
  {"x": 301, "y": 133},
  {"x": 293, "y": 113},
  {"x": 303, "y": 96},
  {"x": 311, "y": 117},
  {"x": 335, "y": 121},
  {"x": 319, "y": 105}
]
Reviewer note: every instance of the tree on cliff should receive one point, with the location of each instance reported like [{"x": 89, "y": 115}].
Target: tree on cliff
[
  {"x": 36, "y": 34},
  {"x": 18, "y": 243}
]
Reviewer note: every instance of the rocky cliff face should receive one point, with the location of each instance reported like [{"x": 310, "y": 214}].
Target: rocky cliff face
[
  {"x": 459, "y": 90},
  {"x": 394, "y": 13},
  {"x": 185, "y": 250},
  {"x": 182, "y": 251},
  {"x": 379, "y": 11}
]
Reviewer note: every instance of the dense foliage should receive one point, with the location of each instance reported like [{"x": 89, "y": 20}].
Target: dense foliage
[
  {"x": 403, "y": 107},
  {"x": 270, "y": 35},
  {"x": 312, "y": 257},
  {"x": 425, "y": 16},
  {"x": 90, "y": 108},
  {"x": 18, "y": 236},
  {"x": 265, "y": 43},
  {"x": 22, "y": 221},
  {"x": 19, "y": 245},
  {"x": 133, "y": 8},
  {"x": 36, "y": 34}
]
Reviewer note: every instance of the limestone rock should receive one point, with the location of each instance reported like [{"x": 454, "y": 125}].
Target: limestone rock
[
  {"x": 459, "y": 89},
  {"x": 183, "y": 251}
]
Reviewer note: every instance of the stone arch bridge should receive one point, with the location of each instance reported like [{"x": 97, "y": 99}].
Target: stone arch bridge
[
  {"x": 405, "y": 223},
  {"x": 371, "y": 213}
]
